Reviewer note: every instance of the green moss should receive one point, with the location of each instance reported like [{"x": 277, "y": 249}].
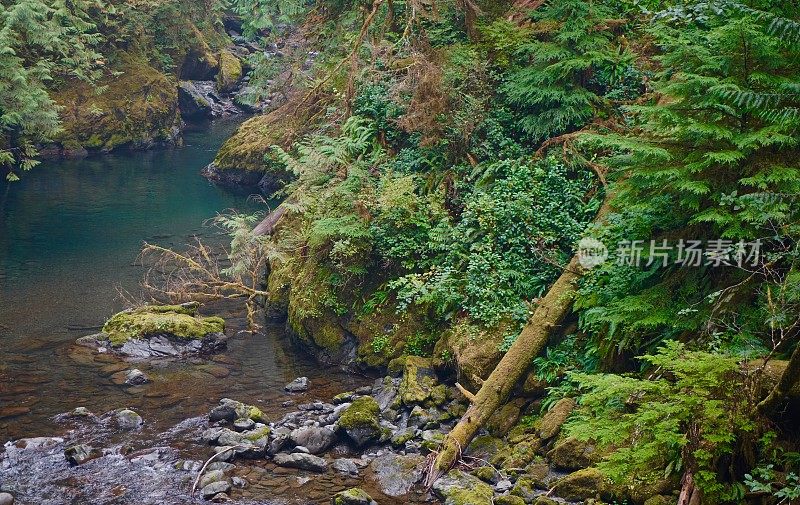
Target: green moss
[
  {"x": 256, "y": 415},
  {"x": 258, "y": 434},
  {"x": 133, "y": 107},
  {"x": 354, "y": 496},
  {"x": 230, "y": 71},
  {"x": 467, "y": 491},
  {"x": 363, "y": 412},
  {"x": 146, "y": 321},
  {"x": 417, "y": 385},
  {"x": 509, "y": 500}
]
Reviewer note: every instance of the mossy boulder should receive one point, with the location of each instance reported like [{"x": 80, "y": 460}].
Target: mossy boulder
[
  {"x": 518, "y": 454},
  {"x": 474, "y": 351},
  {"x": 360, "y": 421},
  {"x": 501, "y": 422},
  {"x": 660, "y": 500},
  {"x": 584, "y": 485},
  {"x": 230, "y": 71},
  {"x": 572, "y": 454},
  {"x": 419, "y": 380},
  {"x": 459, "y": 488},
  {"x": 509, "y": 500},
  {"x": 354, "y": 496},
  {"x": 552, "y": 421},
  {"x": 175, "y": 321}
]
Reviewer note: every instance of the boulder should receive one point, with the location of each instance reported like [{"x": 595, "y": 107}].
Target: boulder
[
  {"x": 128, "y": 419},
  {"x": 396, "y": 474},
  {"x": 78, "y": 454},
  {"x": 193, "y": 101},
  {"x": 230, "y": 71},
  {"x": 158, "y": 331},
  {"x": 215, "y": 488},
  {"x": 345, "y": 466},
  {"x": 360, "y": 421},
  {"x": 552, "y": 421},
  {"x": 301, "y": 461},
  {"x": 316, "y": 440},
  {"x": 136, "y": 377},
  {"x": 584, "y": 485},
  {"x": 572, "y": 454},
  {"x": 419, "y": 379},
  {"x": 6, "y": 499},
  {"x": 509, "y": 500},
  {"x": 354, "y": 496},
  {"x": 298, "y": 385},
  {"x": 459, "y": 488}
]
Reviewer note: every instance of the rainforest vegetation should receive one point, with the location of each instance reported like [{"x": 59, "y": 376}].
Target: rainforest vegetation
[{"x": 442, "y": 166}]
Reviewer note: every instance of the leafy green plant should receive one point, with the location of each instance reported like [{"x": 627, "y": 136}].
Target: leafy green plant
[{"x": 686, "y": 416}]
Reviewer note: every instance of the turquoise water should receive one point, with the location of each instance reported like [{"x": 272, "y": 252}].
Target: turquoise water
[
  {"x": 70, "y": 231},
  {"x": 70, "y": 234}
]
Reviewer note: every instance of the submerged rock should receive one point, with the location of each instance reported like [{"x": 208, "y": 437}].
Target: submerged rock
[
  {"x": 298, "y": 385},
  {"x": 354, "y": 496},
  {"x": 301, "y": 461},
  {"x": 128, "y": 419}
]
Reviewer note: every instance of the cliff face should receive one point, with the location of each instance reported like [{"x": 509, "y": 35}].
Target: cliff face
[{"x": 151, "y": 47}]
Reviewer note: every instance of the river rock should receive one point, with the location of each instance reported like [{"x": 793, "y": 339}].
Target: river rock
[
  {"x": 316, "y": 440},
  {"x": 457, "y": 488},
  {"x": 396, "y": 474},
  {"x": 298, "y": 385},
  {"x": 6, "y": 499},
  {"x": 128, "y": 419},
  {"x": 301, "y": 461},
  {"x": 159, "y": 331},
  {"x": 555, "y": 418},
  {"x": 245, "y": 424},
  {"x": 215, "y": 488},
  {"x": 211, "y": 477},
  {"x": 78, "y": 454},
  {"x": 346, "y": 466},
  {"x": 136, "y": 377},
  {"x": 354, "y": 496},
  {"x": 360, "y": 421}
]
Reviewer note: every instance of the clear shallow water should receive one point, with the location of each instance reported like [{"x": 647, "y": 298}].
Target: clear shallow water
[{"x": 70, "y": 233}]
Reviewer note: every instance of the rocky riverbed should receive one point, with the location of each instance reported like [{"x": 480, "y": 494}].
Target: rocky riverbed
[{"x": 368, "y": 445}]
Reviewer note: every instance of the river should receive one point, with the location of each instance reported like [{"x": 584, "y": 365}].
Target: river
[{"x": 70, "y": 234}]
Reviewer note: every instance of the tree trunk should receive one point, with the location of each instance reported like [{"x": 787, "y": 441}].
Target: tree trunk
[
  {"x": 787, "y": 382},
  {"x": 549, "y": 314}
]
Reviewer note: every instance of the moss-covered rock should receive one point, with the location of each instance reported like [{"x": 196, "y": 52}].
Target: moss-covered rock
[
  {"x": 552, "y": 421},
  {"x": 474, "y": 351},
  {"x": 509, "y": 500},
  {"x": 583, "y": 485},
  {"x": 459, "y": 488},
  {"x": 501, "y": 422},
  {"x": 572, "y": 454},
  {"x": 230, "y": 71},
  {"x": 360, "y": 421},
  {"x": 419, "y": 380},
  {"x": 518, "y": 454},
  {"x": 354, "y": 496},
  {"x": 173, "y": 321},
  {"x": 660, "y": 500},
  {"x": 137, "y": 108}
]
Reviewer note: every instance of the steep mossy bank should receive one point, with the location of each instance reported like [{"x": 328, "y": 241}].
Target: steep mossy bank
[{"x": 150, "y": 48}]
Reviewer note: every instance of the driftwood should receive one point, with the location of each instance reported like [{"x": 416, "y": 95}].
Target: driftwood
[{"x": 267, "y": 226}]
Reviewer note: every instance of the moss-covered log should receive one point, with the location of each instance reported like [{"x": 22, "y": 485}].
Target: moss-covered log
[
  {"x": 782, "y": 390},
  {"x": 549, "y": 314}
]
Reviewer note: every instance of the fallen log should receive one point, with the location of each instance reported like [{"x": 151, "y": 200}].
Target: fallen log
[{"x": 549, "y": 314}]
